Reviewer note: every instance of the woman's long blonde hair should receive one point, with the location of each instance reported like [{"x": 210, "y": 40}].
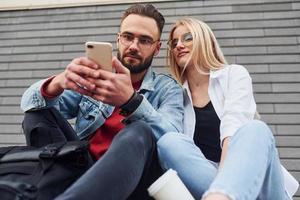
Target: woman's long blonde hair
[{"x": 206, "y": 54}]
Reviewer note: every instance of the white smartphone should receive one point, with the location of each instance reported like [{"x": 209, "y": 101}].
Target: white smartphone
[{"x": 101, "y": 53}]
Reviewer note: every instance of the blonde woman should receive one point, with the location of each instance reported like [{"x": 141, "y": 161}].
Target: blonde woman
[{"x": 224, "y": 152}]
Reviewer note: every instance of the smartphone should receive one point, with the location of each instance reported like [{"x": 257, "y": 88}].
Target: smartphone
[{"x": 101, "y": 53}]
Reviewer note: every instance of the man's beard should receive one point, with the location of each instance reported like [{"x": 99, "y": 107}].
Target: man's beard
[{"x": 136, "y": 69}]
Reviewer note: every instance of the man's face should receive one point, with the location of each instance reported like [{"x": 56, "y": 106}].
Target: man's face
[{"x": 138, "y": 42}]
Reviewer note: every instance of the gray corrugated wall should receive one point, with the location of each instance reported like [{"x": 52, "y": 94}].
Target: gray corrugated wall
[{"x": 262, "y": 35}]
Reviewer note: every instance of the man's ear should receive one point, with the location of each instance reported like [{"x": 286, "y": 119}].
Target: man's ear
[
  {"x": 117, "y": 41},
  {"x": 157, "y": 48}
]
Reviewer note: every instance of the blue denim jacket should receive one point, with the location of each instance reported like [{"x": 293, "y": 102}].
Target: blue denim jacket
[{"x": 161, "y": 108}]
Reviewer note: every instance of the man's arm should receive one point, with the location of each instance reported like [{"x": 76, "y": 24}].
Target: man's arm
[
  {"x": 116, "y": 89},
  {"x": 168, "y": 116},
  {"x": 74, "y": 77}
]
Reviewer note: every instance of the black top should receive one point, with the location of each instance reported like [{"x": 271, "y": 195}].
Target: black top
[{"x": 207, "y": 132}]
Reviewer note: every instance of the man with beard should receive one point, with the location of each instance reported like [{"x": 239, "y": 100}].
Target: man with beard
[{"x": 121, "y": 114}]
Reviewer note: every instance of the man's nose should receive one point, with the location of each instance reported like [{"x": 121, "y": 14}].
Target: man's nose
[{"x": 134, "y": 44}]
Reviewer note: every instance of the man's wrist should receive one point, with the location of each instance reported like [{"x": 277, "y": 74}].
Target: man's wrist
[
  {"x": 132, "y": 104},
  {"x": 44, "y": 88}
]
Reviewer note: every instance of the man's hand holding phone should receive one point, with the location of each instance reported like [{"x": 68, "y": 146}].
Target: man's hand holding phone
[
  {"x": 94, "y": 77},
  {"x": 81, "y": 73},
  {"x": 74, "y": 78},
  {"x": 113, "y": 88}
]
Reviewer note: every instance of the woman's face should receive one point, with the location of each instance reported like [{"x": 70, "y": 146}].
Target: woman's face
[{"x": 181, "y": 45}]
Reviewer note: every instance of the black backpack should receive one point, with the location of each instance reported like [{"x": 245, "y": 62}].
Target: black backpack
[{"x": 28, "y": 173}]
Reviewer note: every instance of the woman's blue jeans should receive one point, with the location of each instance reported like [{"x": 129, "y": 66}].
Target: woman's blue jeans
[{"x": 250, "y": 171}]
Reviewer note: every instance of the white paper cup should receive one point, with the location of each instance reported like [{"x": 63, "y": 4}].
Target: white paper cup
[{"x": 169, "y": 187}]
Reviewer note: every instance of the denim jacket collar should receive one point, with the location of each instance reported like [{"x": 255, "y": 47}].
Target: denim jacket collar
[{"x": 147, "y": 83}]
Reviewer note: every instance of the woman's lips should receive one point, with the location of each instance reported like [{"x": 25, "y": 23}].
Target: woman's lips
[{"x": 182, "y": 54}]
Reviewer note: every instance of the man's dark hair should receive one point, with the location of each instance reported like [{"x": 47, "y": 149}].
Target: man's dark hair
[{"x": 147, "y": 10}]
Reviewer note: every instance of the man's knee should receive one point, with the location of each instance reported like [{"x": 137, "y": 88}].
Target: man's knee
[
  {"x": 40, "y": 127},
  {"x": 33, "y": 117},
  {"x": 138, "y": 134}
]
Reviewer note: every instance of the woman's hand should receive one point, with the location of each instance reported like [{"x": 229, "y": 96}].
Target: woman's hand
[{"x": 224, "y": 150}]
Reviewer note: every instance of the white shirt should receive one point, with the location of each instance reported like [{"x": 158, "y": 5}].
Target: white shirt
[{"x": 231, "y": 94}]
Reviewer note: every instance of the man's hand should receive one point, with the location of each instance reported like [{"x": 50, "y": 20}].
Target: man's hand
[
  {"x": 113, "y": 88},
  {"x": 75, "y": 78}
]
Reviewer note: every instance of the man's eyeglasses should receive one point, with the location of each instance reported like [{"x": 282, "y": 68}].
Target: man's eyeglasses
[
  {"x": 143, "y": 41},
  {"x": 186, "y": 39}
]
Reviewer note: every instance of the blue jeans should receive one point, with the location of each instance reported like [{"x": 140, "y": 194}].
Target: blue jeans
[{"x": 251, "y": 169}]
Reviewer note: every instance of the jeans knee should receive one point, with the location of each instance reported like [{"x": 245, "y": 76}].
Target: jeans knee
[
  {"x": 138, "y": 134},
  {"x": 258, "y": 132},
  {"x": 168, "y": 141},
  {"x": 263, "y": 130},
  {"x": 169, "y": 146},
  {"x": 45, "y": 115}
]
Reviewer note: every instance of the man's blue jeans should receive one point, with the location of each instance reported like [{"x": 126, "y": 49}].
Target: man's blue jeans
[
  {"x": 251, "y": 169},
  {"x": 125, "y": 171}
]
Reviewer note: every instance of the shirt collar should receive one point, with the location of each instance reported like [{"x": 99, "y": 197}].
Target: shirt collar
[
  {"x": 216, "y": 73},
  {"x": 213, "y": 74}
]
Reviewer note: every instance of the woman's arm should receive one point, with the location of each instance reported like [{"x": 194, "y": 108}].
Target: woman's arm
[
  {"x": 224, "y": 150},
  {"x": 239, "y": 104}
]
